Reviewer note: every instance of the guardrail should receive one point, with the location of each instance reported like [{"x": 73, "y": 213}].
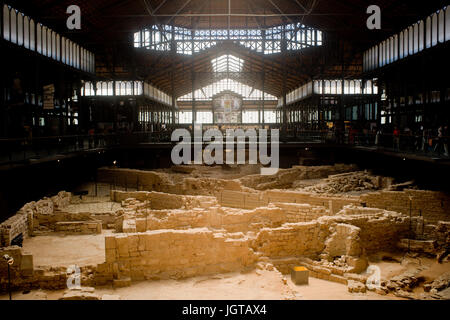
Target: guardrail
[{"x": 26, "y": 149}]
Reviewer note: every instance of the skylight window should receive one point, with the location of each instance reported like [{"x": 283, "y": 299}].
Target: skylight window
[
  {"x": 267, "y": 41},
  {"x": 247, "y": 92},
  {"x": 227, "y": 63}
]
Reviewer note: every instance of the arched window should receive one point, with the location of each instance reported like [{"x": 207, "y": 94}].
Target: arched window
[
  {"x": 376, "y": 61},
  {"x": 405, "y": 43},
  {"x": 380, "y": 55},
  {"x": 428, "y": 33},
  {"x": 39, "y": 38},
  {"x": 13, "y": 21},
  {"x": 416, "y": 38},
  {"x": 82, "y": 59},
  {"x": 54, "y": 45},
  {"x": 421, "y": 36},
  {"x": 327, "y": 87},
  {"x": 44, "y": 40},
  {"x": 20, "y": 29},
  {"x": 401, "y": 45},
  {"x": 26, "y": 32},
  {"x": 104, "y": 90},
  {"x": 72, "y": 54},
  {"x": 6, "y": 23},
  {"x": 434, "y": 30},
  {"x": 58, "y": 47},
  {"x": 447, "y": 23},
  {"x": 77, "y": 56},
  {"x": 391, "y": 50},
  {"x": 63, "y": 50},
  {"x": 49, "y": 43},
  {"x": 32, "y": 35},
  {"x": 395, "y": 57},
  {"x": 387, "y": 51},
  {"x": 441, "y": 36},
  {"x": 110, "y": 88},
  {"x": 339, "y": 86}
]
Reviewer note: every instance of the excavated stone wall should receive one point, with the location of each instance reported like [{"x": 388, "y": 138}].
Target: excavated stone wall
[
  {"x": 162, "y": 181},
  {"x": 246, "y": 200},
  {"x": 164, "y": 254},
  {"x": 216, "y": 217},
  {"x": 433, "y": 206}
]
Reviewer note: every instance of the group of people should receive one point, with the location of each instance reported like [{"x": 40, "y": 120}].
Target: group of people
[
  {"x": 431, "y": 140},
  {"x": 423, "y": 140}
]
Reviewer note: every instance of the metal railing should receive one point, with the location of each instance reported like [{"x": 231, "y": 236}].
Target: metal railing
[{"x": 26, "y": 149}]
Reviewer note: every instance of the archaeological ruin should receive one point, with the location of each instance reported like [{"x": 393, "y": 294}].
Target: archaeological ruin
[
  {"x": 224, "y": 158},
  {"x": 370, "y": 235}
]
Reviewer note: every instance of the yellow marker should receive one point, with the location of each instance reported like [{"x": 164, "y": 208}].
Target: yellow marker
[{"x": 300, "y": 269}]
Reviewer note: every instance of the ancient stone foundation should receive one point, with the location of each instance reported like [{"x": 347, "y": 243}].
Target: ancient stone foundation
[{"x": 184, "y": 227}]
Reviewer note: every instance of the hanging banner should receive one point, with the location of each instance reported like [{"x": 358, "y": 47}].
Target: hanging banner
[{"x": 49, "y": 97}]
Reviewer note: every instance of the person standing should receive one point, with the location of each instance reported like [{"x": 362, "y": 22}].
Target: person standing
[
  {"x": 396, "y": 136},
  {"x": 437, "y": 147},
  {"x": 445, "y": 137}
]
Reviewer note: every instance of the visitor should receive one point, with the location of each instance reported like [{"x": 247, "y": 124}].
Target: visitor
[
  {"x": 91, "y": 134},
  {"x": 445, "y": 140},
  {"x": 396, "y": 138},
  {"x": 378, "y": 137},
  {"x": 438, "y": 146}
]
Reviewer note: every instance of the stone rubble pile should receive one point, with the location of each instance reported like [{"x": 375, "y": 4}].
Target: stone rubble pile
[{"x": 350, "y": 182}]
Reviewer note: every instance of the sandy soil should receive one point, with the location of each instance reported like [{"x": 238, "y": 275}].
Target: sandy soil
[
  {"x": 64, "y": 250},
  {"x": 254, "y": 285}
]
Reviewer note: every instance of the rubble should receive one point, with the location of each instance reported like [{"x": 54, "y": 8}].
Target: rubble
[
  {"x": 350, "y": 182},
  {"x": 356, "y": 287}
]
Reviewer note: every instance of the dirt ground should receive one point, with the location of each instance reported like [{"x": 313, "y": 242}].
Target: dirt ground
[
  {"x": 59, "y": 250},
  {"x": 63, "y": 250},
  {"x": 254, "y": 285}
]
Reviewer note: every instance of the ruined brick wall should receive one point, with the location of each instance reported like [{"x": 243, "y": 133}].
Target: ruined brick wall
[
  {"x": 167, "y": 254},
  {"x": 433, "y": 206},
  {"x": 216, "y": 217},
  {"x": 79, "y": 227},
  {"x": 161, "y": 182},
  {"x": 291, "y": 240},
  {"x": 246, "y": 200},
  {"x": 380, "y": 230},
  {"x": 11, "y": 228},
  {"x": 139, "y": 179},
  {"x": 162, "y": 201},
  {"x": 285, "y": 178},
  {"x": 26, "y": 276}
]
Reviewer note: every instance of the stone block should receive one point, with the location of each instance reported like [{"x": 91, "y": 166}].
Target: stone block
[
  {"x": 300, "y": 275},
  {"x": 110, "y": 255},
  {"x": 110, "y": 242},
  {"x": 26, "y": 264},
  {"x": 122, "y": 282}
]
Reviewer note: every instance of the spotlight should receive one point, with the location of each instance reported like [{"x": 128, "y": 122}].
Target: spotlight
[
  {"x": 114, "y": 162},
  {"x": 9, "y": 260}
]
